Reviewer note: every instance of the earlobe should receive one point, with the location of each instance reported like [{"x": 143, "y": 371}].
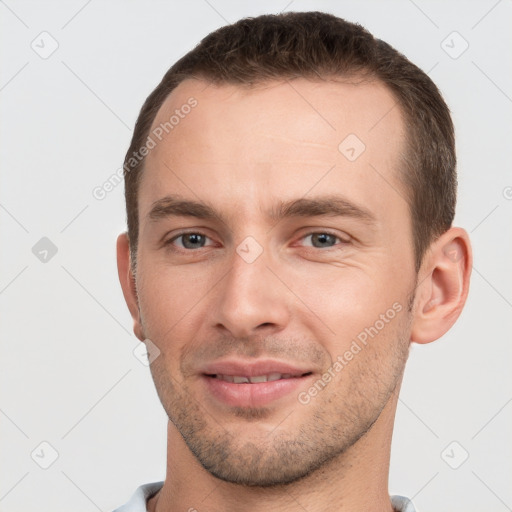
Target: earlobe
[
  {"x": 127, "y": 280},
  {"x": 443, "y": 286}
]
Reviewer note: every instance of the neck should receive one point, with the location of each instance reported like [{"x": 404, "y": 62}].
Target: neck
[{"x": 357, "y": 480}]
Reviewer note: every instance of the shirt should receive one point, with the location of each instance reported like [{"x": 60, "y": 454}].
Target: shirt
[{"x": 139, "y": 499}]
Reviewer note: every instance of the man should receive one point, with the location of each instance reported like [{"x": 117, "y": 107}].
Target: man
[{"x": 290, "y": 191}]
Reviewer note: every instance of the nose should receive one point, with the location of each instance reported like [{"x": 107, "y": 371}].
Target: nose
[{"x": 250, "y": 300}]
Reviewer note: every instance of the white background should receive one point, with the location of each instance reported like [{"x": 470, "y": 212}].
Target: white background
[{"x": 68, "y": 374}]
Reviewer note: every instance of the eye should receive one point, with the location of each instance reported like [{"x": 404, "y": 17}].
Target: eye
[
  {"x": 322, "y": 240},
  {"x": 194, "y": 241},
  {"x": 189, "y": 241}
]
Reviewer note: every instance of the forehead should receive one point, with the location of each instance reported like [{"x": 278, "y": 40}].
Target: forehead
[
  {"x": 280, "y": 136},
  {"x": 332, "y": 106}
]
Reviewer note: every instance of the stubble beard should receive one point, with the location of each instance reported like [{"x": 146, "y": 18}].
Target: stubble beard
[{"x": 279, "y": 457}]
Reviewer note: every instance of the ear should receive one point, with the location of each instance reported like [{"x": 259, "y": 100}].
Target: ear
[
  {"x": 127, "y": 279},
  {"x": 443, "y": 286}
]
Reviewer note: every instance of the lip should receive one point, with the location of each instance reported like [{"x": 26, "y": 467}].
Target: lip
[
  {"x": 252, "y": 394},
  {"x": 252, "y": 368}
]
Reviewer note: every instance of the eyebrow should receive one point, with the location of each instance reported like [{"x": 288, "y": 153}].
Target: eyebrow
[{"x": 326, "y": 206}]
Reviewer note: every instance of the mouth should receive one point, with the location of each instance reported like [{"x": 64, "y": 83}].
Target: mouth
[
  {"x": 256, "y": 379},
  {"x": 252, "y": 384}
]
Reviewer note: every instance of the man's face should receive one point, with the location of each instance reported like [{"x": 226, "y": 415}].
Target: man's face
[{"x": 301, "y": 259}]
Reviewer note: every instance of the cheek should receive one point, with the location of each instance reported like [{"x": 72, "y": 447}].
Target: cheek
[
  {"x": 334, "y": 305},
  {"x": 344, "y": 302},
  {"x": 169, "y": 299}
]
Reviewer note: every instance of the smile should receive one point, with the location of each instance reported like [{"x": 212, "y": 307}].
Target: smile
[
  {"x": 241, "y": 379},
  {"x": 254, "y": 390}
]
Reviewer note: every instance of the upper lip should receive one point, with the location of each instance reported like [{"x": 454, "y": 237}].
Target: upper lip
[{"x": 253, "y": 368}]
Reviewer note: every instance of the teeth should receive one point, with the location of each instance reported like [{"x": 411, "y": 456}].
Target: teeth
[
  {"x": 227, "y": 378},
  {"x": 259, "y": 378},
  {"x": 240, "y": 379}
]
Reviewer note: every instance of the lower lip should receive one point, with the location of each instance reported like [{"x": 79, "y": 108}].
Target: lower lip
[{"x": 252, "y": 395}]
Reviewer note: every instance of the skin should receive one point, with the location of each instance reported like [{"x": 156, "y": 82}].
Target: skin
[{"x": 242, "y": 151}]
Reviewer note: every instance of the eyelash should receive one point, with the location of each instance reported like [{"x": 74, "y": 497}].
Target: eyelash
[{"x": 180, "y": 249}]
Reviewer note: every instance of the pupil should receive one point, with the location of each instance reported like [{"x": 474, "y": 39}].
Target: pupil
[
  {"x": 322, "y": 239},
  {"x": 319, "y": 240},
  {"x": 192, "y": 240}
]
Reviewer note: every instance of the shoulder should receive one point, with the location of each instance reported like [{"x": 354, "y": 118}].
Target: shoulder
[
  {"x": 402, "y": 504},
  {"x": 140, "y": 497}
]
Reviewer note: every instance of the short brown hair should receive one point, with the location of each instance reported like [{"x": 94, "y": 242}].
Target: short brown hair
[{"x": 316, "y": 45}]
